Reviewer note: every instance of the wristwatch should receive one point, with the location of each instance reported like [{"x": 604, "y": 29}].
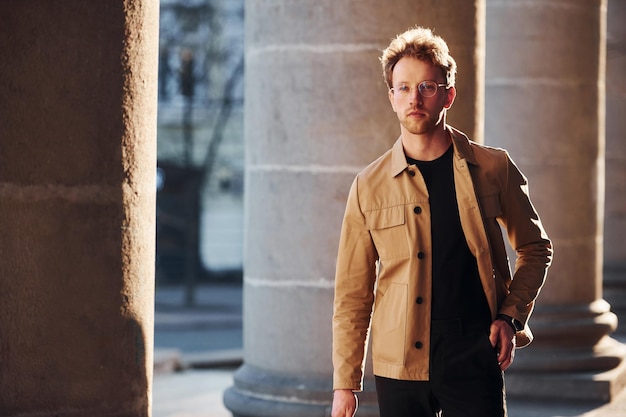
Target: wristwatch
[{"x": 516, "y": 325}]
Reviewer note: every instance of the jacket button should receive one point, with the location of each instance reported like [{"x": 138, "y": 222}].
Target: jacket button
[
  {"x": 417, "y": 210},
  {"x": 419, "y": 300},
  {"x": 420, "y": 255},
  {"x": 412, "y": 173},
  {"x": 419, "y": 345}
]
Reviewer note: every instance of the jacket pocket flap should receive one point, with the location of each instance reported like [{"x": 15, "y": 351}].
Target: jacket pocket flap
[{"x": 385, "y": 218}]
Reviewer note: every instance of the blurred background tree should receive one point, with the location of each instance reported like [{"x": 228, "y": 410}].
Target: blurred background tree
[{"x": 200, "y": 143}]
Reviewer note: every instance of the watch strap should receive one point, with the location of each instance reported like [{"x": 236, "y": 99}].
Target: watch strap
[{"x": 516, "y": 325}]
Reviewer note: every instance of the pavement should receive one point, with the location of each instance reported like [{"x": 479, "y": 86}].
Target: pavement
[{"x": 199, "y": 347}]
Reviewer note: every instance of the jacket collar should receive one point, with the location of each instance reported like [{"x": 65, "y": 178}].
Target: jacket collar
[{"x": 460, "y": 141}]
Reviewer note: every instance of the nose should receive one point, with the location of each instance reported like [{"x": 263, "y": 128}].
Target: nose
[{"x": 415, "y": 97}]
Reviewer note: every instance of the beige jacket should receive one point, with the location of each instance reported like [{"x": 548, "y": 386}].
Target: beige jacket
[{"x": 379, "y": 276}]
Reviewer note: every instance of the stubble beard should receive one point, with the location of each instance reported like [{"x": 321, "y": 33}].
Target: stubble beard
[{"x": 419, "y": 127}]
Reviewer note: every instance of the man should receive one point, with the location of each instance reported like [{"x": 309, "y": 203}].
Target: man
[{"x": 422, "y": 257}]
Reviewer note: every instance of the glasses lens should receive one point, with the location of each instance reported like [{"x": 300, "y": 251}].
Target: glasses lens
[{"x": 428, "y": 88}]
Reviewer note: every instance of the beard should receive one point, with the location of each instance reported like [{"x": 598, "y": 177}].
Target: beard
[{"x": 420, "y": 126}]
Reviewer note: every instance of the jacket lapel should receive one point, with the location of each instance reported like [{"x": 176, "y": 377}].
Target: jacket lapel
[{"x": 470, "y": 213}]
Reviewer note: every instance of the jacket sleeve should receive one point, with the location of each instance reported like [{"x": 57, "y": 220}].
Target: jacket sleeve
[
  {"x": 354, "y": 296},
  {"x": 530, "y": 242}
]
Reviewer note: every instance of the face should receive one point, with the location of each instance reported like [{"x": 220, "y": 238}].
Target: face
[{"x": 417, "y": 114}]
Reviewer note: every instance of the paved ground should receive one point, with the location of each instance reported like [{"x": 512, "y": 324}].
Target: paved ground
[
  {"x": 192, "y": 393},
  {"x": 197, "y": 350}
]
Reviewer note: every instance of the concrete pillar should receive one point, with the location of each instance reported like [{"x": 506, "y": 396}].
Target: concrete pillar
[
  {"x": 545, "y": 104},
  {"x": 615, "y": 210},
  {"x": 316, "y": 112},
  {"x": 77, "y": 207}
]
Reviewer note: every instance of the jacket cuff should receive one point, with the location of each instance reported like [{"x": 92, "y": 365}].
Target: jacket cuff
[{"x": 341, "y": 383}]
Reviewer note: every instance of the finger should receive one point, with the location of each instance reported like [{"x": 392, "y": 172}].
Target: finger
[
  {"x": 506, "y": 363},
  {"x": 494, "y": 335},
  {"x": 503, "y": 362},
  {"x": 505, "y": 357},
  {"x": 347, "y": 412}
]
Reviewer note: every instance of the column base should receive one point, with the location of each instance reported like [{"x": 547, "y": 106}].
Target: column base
[
  {"x": 582, "y": 386},
  {"x": 614, "y": 283},
  {"x": 605, "y": 355},
  {"x": 572, "y": 357},
  {"x": 570, "y": 339},
  {"x": 260, "y": 393}
]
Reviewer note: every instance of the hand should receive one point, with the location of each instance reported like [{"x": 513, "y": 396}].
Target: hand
[
  {"x": 502, "y": 337},
  {"x": 345, "y": 403}
]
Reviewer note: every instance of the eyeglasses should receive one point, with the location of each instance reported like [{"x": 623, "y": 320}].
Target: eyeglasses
[{"x": 426, "y": 89}]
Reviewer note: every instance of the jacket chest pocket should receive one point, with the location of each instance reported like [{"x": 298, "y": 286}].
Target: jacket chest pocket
[{"x": 389, "y": 232}]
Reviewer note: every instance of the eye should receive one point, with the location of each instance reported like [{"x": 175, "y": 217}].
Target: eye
[
  {"x": 428, "y": 88},
  {"x": 403, "y": 88}
]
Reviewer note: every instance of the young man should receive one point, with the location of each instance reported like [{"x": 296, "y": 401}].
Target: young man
[{"x": 422, "y": 257}]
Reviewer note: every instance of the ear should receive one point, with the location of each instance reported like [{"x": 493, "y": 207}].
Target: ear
[
  {"x": 390, "y": 95},
  {"x": 450, "y": 97}
]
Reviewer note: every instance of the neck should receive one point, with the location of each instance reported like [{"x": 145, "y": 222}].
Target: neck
[{"x": 426, "y": 147}]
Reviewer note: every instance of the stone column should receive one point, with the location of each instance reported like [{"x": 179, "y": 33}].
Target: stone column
[
  {"x": 615, "y": 210},
  {"x": 77, "y": 207},
  {"x": 316, "y": 112},
  {"x": 545, "y": 104}
]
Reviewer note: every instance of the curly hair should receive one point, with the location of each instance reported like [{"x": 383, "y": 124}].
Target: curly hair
[{"x": 422, "y": 44}]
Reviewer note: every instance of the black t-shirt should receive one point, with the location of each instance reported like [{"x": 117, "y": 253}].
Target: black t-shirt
[{"x": 456, "y": 288}]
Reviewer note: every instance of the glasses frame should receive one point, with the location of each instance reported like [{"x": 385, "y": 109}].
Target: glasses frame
[{"x": 411, "y": 89}]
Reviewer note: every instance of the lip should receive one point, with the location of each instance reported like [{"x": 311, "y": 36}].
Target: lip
[{"x": 417, "y": 114}]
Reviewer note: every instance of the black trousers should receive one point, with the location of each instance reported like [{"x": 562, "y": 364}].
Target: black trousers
[{"x": 465, "y": 378}]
